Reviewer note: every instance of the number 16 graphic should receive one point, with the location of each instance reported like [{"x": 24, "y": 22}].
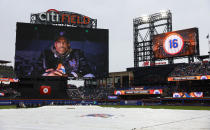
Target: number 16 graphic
[{"x": 173, "y": 44}]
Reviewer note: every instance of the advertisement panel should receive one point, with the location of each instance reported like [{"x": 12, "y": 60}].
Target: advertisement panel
[
  {"x": 196, "y": 94},
  {"x": 156, "y": 91},
  {"x": 2, "y": 94},
  {"x": 119, "y": 92},
  {"x": 137, "y": 92},
  {"x": 131, "y": 92},
  {"x": 47, "y": 50},
  {"x": 8, "y": 80},
  {"x": 203, "y": 77},
  {"x": 188, "y": 95},
  {"x": 176, "y": 43}
]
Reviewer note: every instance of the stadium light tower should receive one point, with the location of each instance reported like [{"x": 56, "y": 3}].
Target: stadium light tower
[
  {"x": 164, "y": 13},
  {"x": 145, "y": 27}
]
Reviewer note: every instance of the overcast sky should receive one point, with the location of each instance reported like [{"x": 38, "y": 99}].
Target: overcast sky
[{"x": 115, "y": 15}]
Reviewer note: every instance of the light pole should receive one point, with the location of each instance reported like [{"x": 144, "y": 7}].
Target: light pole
[{"x": 208, "y": 45}]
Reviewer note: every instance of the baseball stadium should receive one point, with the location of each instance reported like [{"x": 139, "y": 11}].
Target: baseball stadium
[{"x": 61, "y": 71}]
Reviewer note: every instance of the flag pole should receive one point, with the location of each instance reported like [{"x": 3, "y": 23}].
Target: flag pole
[{"x": 208, "y": 45}]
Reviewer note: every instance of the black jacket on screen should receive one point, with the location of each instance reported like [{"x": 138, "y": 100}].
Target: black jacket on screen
[{"x": 73, "y": 61}]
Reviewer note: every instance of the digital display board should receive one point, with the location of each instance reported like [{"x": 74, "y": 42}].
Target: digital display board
[
  {"x": 47, "y": 50},
  {"x": 182, "y": 78},
  {"x": 176, "y": 44},
  {"x": 137, "y": 92},
  {"x": 188, "y": 95}
]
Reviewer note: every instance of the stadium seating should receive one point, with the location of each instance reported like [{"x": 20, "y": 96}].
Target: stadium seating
[
  {"x": 90, "y": 92},
  {"x": 6, "y": 72},
  {"x": 152, "y": 75},
  {"x": 193, "y": 69}
]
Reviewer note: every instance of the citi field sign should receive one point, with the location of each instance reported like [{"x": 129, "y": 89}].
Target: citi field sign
[{"x": 63, "y": 17}]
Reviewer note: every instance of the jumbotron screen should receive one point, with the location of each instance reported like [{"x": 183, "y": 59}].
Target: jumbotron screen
[
  {"x": 176, "y": 44},
  {"x": 47, "y": 50}
]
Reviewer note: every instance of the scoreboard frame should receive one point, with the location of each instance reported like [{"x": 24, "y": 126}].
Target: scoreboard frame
[{"x": 190, "y": 47}]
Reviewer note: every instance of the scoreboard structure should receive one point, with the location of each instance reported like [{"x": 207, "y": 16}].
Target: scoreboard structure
[
  {"x": 145, "y": 28},
  {"x": 154, "y": 40},
  {"x": 40, "y": 37},
  {"x": 176, "y": 44}
]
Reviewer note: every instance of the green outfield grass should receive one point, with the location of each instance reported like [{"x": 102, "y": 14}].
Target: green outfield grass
[
  {"x": 134, "y": 106},
  {"x": 8, "y": 107},
  {"x": 161, "y": 107}
]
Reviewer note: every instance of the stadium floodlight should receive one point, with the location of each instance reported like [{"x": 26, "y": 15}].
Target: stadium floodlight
[
  {"x": 164, "y": 13},
  {"x": 145, "y": 18}
]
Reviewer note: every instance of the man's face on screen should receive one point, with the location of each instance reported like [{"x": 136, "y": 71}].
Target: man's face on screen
[{"x": 61, "y": 45}]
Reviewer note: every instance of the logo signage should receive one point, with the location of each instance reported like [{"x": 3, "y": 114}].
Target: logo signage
[
  {"x": 45, "y": 90},
  {"x": 55, "y": 17}
]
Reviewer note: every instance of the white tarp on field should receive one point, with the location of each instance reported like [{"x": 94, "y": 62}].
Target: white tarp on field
[{"x": 98, "y": 118}]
